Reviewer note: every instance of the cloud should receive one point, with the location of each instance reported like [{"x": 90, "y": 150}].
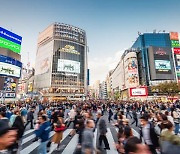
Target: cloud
[{"x": 99, "y": 67}]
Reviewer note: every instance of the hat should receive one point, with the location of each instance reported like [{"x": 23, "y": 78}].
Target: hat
[{"x": 4, "y": 127}]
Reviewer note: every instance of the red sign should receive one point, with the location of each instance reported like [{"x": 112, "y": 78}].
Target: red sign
[
  {"x": 174, "y": 36},
  {"x": 177, "y": 51},
  {"x": 138, "y": 91}
]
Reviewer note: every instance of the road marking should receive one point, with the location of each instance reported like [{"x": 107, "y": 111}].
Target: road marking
[
  {"x": 28, "y": 132},
  {"x": 111, "y": 143},
  {"x": 65, "y": 134}
]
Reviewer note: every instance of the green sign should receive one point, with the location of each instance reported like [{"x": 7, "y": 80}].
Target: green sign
[
  {"x": 10, "y": 45},
  {"x": 175, "y": 43},
  {"x": 178, "y": 74}
]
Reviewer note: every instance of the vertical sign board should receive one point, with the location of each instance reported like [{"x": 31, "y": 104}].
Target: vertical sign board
[
  {"x": 177, "y": 62},
  {"x": 10, "y": 40}
]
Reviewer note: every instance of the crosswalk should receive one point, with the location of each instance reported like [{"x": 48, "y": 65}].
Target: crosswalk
[{"x": 68, "y": 145}]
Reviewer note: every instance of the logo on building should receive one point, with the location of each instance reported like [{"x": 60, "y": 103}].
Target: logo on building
[
  {"x": 69, "y": 49},
  {"x": 161, "y": 52}
]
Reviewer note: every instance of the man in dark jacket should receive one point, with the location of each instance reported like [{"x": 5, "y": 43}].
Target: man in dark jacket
[
  {"x": 102, "y": 132},
  {"x": 43, "y": 133},
  {"x": 148, "y": 134},
  {"x": 134, "y": 117},
  {"x": 30, "y": 117}
]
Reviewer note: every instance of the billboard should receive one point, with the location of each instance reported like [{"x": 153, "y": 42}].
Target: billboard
[
  {"x": 10, "y": 87},
  {"x": 175, "y": 43},
  {"x": 161, "y": 63},
  {"x": 68, "y": 66},
  {"x": 10, "y": 36},
  {"x": 174, "y": 36},
  {"x": 138, "y": 91},
  {"x": 10, "y": 67},
  {"x": 133, "y": 79},
  {"x": 10, "y": 40},
  {"x": 162, "y": 66}
]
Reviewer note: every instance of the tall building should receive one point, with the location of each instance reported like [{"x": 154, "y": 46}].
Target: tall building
[
  {"x": 61, "y": 62},
  {"x": 155, "y": 60},
  {"x": 10, "y": 64}
]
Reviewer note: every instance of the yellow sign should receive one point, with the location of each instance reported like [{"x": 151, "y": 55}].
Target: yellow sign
[{"x": 69, "y": 49}]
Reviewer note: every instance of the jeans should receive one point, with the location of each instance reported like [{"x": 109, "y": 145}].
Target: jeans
[
  {"x": 103, "y": 138},
  {"x": 176, "y": 128},
  {"x": 42, "y": 148}
]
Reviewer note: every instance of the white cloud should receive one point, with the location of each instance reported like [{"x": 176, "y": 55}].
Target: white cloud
[{"x": 99, "y": 67}]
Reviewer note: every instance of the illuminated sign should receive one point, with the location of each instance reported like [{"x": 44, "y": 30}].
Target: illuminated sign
[
  {"x": 174, "y": 36},
  {"x": 4, "y": 43},
  {"x": 176, "y": 51},
  {"x": 162, "y": 66},
  {"x": 10, "y": 70},
  {"x": 141, "y": 91},
  {"x": 10, "y": 36},
  {"x": 160, "y": 51},
  {"x": 69, "y": 49},
  {"x": 10, "y": 60},
  {"x": 175, "y": 43},
  {"x": 68, "y": 66}
]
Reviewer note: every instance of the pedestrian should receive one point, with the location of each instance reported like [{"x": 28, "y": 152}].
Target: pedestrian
[
  {"x": 58, "y": 128},
  {"x": 7, "y": 137},
  {"x": 87, "y": 138},
  {"x": 102, "y": 131},
  {"x": 43, "y": 134},
  {"x": 134, "y": 114},
  {"x": 110, "y": 115},
  {"x": 148, "y": 133},
  {"x": 30, "y": 117}
]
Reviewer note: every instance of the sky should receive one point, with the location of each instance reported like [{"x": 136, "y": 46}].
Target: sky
[{"x": 111, "y": 25}]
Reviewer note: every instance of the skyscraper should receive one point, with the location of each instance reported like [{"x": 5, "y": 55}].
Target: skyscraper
[{"x": 61, "y": 62}]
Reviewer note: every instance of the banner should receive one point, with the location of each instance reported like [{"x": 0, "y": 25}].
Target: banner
[
  {"x": 141, "y": 91},
  {"x": 10, "y": 45},
  {"x": 10, "y": 36}
]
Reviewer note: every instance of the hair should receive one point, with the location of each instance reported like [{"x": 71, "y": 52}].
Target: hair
[
  {"x": 44, "y": 117},
  {"x": 130, "y": 145},
  {"x": 167, "y": 124},
  {"x": 127, "y": 131},
  {"x": 3, "y": 114},
  {"x": 145, "y": 117}
]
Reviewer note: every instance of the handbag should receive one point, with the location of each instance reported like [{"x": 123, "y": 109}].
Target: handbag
[{"x": 59, "y": 129}]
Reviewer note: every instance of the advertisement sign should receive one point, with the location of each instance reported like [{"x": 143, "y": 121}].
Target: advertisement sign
[
  {"x": 10, "y": 60},
  {"x": 10, "y": 45},
  {"x": 69, "y": 49},
  {"x": 175, "y": 43},
  {"x": 174, "y": 36},
  {"x": 162, "y": 66},
  {"x": 176, "y": 51},
  {"x": 10, "y": 70},
  {"x": 68, "y": 66},
  {"x": 141, "y": 91},
  {"x": 10, "y": 36},
  {"x": 10, "y": 87},
  {"x": 132, "y": 72}
]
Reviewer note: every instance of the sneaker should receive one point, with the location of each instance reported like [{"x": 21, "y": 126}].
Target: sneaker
[{"x": 107, "y": 148}]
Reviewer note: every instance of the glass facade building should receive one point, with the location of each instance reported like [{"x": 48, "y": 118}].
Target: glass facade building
[
  {"x": 61, "y": 62},
  {"x": 143, "y": 44}
]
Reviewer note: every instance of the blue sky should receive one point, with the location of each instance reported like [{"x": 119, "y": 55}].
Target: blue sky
[{"x": 111, "y": 25}]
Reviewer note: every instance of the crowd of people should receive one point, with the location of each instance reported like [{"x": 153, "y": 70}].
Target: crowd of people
[{"x": 157, "y": 123}]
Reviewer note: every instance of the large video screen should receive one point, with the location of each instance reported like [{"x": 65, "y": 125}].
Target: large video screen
[
  {"x": 68, "y": 66},
  {"x": 162, "y": 66}
]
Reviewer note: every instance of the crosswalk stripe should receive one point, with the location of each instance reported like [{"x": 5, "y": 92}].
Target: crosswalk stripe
[
  {"x": 65, "y": 134},
  {"x": 70, "y": 148},
  {"x": 28, "y": 138},
  {"x": 28, "y": 132},
  {"x": 95, "y": 138},
  {"x": 135, "y": 133},
  {"x": 33, "y": 146},
  {"x": 111, "y": 143}
]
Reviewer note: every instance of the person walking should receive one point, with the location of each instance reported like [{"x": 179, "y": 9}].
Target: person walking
[
  {"x": 110, "y": 115},
  {"x": 87, "y": 138},
  {"x": 58, "y": 128},
  {"x": 30, "y": 117},
  {"x": 43, "y": 134},
  {"x": 134, "y": 117},
  {"x": 102, "y": 131}
]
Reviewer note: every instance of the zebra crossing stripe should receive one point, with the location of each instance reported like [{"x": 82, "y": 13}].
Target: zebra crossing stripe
[
  {"x": 95, "y": 138},
  {"x": 65, "y": 134},
  {"x": 70, "y": 148},
  {"x": 33, "y": 146},
  {"x": 28, "y": 132},
  {"x": 111, "y": 143},
  {"x": 28, "y": 139}
]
